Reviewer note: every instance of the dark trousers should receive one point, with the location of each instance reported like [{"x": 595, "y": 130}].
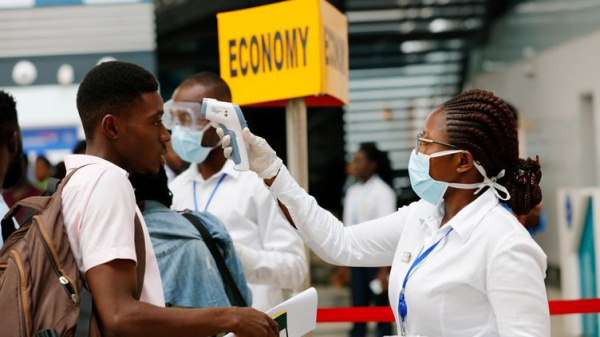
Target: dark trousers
[{"x": 362, "y": 296}]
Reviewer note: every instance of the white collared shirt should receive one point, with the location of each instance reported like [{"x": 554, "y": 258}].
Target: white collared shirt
[
  {"x": 486, "y": 278},
  {"x": 272, "y": 254},
  {"x": 98, "y": 206},
  {"x": 369, "y": 200}
]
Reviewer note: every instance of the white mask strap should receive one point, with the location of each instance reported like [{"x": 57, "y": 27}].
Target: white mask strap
[
  {"x": 487, "y": 182},
  {"x": 492, "y": 182}
]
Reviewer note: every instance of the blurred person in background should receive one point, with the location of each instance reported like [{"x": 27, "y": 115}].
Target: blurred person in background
[
  {"x": 11, "y": 148},
  {"x": 462, "y": 265},
  {"x": 23, "y": 189},
  {"x": 371, "y": 197},
  {"x": 272, "y": 255},
  {"x": 42, "y": 171},
  {"x": 188, "y": 270}
]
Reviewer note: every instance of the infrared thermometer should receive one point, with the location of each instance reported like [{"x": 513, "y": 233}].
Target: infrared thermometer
[{"x": 230, "y": 118}]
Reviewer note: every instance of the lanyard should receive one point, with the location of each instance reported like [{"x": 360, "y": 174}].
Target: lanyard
[
  {"x": 211, "y": 195},
  {"x": 402, "y": 308}
]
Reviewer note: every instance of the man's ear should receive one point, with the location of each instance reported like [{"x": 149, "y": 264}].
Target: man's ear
[
  {"x": 110, "y": 126},
  {"x": 465, "y": 162},
  {"x": 15, "y": 143}
]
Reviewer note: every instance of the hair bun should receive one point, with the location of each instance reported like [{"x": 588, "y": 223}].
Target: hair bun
[
  {"x": 524, "y": 185},
  {"x": 528, "y": 172}
]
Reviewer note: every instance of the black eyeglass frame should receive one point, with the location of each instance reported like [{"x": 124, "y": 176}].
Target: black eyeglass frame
[{"x": 420, "y": 139}]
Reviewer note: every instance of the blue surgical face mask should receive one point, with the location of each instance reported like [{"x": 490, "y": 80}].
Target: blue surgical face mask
[
  {"x": 433, "y": 191},
  {"x": 187, "y": 143}
]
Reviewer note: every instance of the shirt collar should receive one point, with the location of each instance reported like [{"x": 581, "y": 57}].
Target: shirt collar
[
  {"x": 74, "y": 161},
  {"x": 371, "y": 181},
  {"x": 466, "y": 220},
  {"x": 226, "y": 169}
]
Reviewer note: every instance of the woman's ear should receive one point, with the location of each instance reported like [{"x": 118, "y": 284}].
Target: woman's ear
[
  {"x": 464, "y": 162},
  {"x": 110, "y": 127}
]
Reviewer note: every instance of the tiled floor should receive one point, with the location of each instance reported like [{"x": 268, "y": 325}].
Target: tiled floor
[{"x": 339, "y": 297}]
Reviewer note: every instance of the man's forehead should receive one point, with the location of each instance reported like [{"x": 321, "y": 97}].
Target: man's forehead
[
  {"x": 194, "y": 92},
  {"x": 152, "y": 101}
]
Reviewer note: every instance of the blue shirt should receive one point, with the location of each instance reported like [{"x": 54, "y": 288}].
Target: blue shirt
[{"x": 189, "y": 273}]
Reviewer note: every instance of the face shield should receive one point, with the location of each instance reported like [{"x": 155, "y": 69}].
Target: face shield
[{"x": 183, "y": 114}]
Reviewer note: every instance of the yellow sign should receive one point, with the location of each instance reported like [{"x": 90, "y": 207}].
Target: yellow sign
[{"x": 291, "y": 49}]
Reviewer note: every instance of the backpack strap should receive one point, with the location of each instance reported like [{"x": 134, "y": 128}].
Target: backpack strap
[
  {"x": 238, "y": 299},
  {"x": 140, "y": 252},
  {"x": 54, "y": 185},
  {"x": 86, "y": 307}
]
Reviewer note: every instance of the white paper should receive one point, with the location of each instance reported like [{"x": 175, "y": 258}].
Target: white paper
[{"x": 296, "y": 316}]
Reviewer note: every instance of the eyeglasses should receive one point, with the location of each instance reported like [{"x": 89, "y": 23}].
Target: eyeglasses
[
  {"x": 185, "y": 114},
  {"x": 421, "y": 140}
]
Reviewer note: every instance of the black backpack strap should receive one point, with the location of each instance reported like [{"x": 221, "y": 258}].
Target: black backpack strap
[
  {"x": 53, "y": 185},
  {"x": 140, "y": 252},
  {"x": 8, "y": 225},
  {"x": 238, "y": 299},
  {"x": 86, "y": 306}
]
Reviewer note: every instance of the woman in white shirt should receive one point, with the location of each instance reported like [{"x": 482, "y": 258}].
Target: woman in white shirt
[
  {"x": 462, "y": 265},
  {"x": 371, "y": 197}
]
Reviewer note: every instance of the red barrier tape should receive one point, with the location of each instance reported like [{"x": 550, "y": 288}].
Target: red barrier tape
[{"x": 384, "y": 314}]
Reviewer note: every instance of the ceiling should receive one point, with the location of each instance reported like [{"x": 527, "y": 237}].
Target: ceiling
[{"x": 382, "y": 33}]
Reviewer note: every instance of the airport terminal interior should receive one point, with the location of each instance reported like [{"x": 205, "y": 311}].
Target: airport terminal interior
[{"x": 395, "y": 61}]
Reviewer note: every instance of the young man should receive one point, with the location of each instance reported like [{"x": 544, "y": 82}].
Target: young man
[
  {"x": 121, "y": 112},
  {"x": 272, "y": 254},
  {"x": 11, "y": 147}
]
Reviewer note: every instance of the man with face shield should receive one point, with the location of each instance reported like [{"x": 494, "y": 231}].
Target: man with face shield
[
  {"x": 11, "y": 147},
  {"x": 272, "y": 254}
]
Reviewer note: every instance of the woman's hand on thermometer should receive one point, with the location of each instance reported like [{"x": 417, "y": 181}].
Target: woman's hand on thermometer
[{"x": 261, "y": 157}]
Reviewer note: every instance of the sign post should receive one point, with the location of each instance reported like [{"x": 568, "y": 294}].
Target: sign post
[{"x": 297, "y": 142}]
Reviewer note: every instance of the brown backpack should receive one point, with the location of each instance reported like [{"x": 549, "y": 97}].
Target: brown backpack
[{"x": 41, "y": 290}]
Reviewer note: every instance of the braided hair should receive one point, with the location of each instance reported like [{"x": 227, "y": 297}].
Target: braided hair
[
  {"x": 481, "y": 123},
  {"x": 152, "y": 187}
]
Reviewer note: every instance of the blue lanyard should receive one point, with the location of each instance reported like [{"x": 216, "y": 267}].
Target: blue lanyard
[
  {"x": 211, "y": 195},
  {"x": 402, "y": 308}
]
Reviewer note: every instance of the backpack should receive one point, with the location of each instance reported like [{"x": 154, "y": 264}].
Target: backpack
[{"x": 41, "y": 290}]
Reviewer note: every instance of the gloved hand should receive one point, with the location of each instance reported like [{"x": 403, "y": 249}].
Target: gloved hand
[{"x": 261, "y": 157}]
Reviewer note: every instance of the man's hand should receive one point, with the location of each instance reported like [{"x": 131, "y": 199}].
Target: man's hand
[
  {"x": 113, "y": 286},
  {"x": 253, "y": 323},
  {"x": 262, "y": 158}
]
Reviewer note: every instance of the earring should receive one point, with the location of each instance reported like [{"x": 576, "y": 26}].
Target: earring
[{"x": 457, "y": 169}]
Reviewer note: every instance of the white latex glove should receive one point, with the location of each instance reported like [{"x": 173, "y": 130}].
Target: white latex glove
[{"x": 261, "y": 157}]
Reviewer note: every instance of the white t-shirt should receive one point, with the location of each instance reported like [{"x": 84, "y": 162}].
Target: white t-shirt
[
  {"x": 98, "y": 205},
  {"x": 271, "y": 252},
  {"x": 367, "y": 201},
  {"x": 485, "y": 278}
]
